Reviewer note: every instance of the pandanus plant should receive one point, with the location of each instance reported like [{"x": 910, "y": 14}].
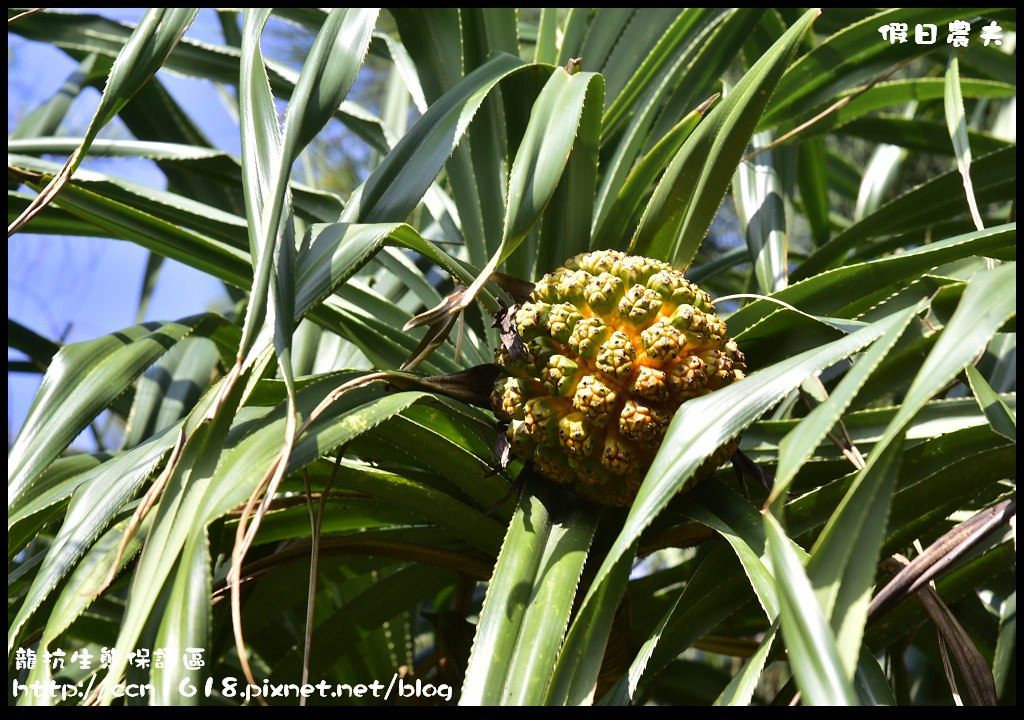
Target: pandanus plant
[{"x": 450, "y": 426}]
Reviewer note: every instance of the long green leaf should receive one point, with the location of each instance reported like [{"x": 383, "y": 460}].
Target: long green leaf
[
  {"x": 810, "y": 646},
  {"x": 335, "y": 252},
  {"x": 544, "y": 151},
  {"x": 169, "y": 389},
  {"x": 941, "y": 474},
  {"x": 579, "y": 663},
  {"x": 80, "y": 592},
  {"x": 994, "y": 176},
  {"x": 932, "y": 477},
  {"x": 149, "y": 278},
  {"x": 55, "y": 485},
  {"x": 722, "y": 415},
  {"x": 890, "y": 94},
  {"x": 656, "y": 64},
  {"x": 176, "y": 522},
  {"x": 689, "y": 49},
  {"x": 326, "y": 77},
  {"x": 83, "y": 379},
  {"x": 1005, "y": 656},
  {"x": 990, "y": 299},
  {"x": 185, "y": 624},
  {"x": 914, "y": 133},
  {"x": 621, "y": 41},
  {"x": 162, "y": 205},
  {"x": 123, "y": 221},
  {"x": 325, "y": 264},
  {"x": 956, "y": 121},
  {"x": 550, "y": 136},
  {"x": 717, "y": 590},
  {"x": 615, "y": 215},
  {"x": 850, "y": 57},
  {"x": 733, "y": 518},
  {"x": 142, "y": 54},
  {"x": 346, "y": 515},
  {"x": 100, "y": 495},
  {"x": 688, "y": 195},
  {"x": 565, "y": 229},
  {"x": 849, "y": 291},
  {"x": 813, "y": 182},
  {"x": 529, "y": 600},
  {"x": 200, "y": 492},
  {"x": 761, "y": 207},
  {"x": 478, "y": 171},
  {"x": 870, "y": 682},
  {"x": 741, "y": 688},
  {"x": 434, "y": 505},
  {"x": 81, "y": 33},
  {"x": 438, "y": 439},
  {"x": 55, "y": 221},
  {"x": 210, "y": 180},
  {"x": 434, "y": 41},
  {"x": 40, "y": 350},
  {"x": 271, "y": 232},
  {"x": 546, "y": 48},
  {"x": 800, "y": 442},
  {"x": 843, "y": 573},
  {"x": 879, "y": 178},
  {"x": 45, "y": 119},
  {"x": 1002, "y": 419},
  {"x": 397, "y": 184},
  {"x": 844, "y": 577}
]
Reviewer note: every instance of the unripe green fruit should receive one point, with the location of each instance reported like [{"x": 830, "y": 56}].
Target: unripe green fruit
[{"x": 614, "y": 345}]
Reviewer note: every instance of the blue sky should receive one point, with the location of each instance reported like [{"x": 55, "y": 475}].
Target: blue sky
[{"x": 80, "y": 288}]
